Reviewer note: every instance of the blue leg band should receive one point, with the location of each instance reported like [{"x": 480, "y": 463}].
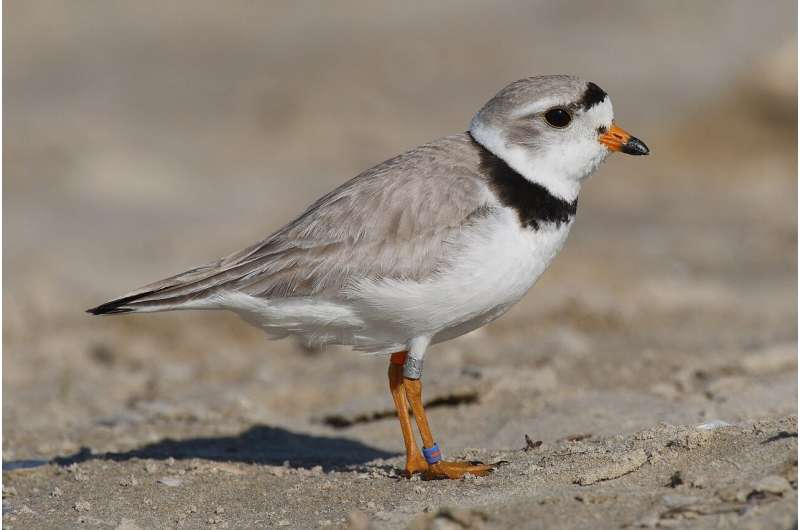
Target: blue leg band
[{"x": 432, "y": 454}]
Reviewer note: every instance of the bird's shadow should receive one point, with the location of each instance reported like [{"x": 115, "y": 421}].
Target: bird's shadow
[{"x": 260, "y": 444}]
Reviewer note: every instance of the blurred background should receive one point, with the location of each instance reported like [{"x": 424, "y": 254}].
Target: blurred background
[{"x": 144, "y": 138}]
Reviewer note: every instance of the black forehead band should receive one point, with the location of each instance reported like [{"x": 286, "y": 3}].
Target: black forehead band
[{"x": 593, "y": 96}]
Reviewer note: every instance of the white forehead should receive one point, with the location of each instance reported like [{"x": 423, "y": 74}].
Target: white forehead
[{"x": 601, "y": 113}]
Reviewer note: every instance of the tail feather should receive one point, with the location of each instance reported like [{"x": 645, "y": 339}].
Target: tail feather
[
  {"x": 194, "y": 289},
  {"x": 166, "y": 295},
  {"x": 132, "y": 304},
  {"x": 113, "y": 307}
]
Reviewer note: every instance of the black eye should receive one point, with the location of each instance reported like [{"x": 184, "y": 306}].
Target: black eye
[{"x": 557, "y": 117}]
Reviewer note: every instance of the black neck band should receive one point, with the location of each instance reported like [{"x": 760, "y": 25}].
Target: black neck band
[{"x": 532, "y": 202}]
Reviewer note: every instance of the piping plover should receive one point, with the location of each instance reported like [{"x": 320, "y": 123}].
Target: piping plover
[{"x": 422, "y": 248}]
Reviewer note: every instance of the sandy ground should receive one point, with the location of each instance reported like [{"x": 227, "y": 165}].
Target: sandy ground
[{"x": 648, "y": 380}]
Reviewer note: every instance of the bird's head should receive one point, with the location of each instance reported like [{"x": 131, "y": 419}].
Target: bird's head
[{"x": 554, "y": 130}]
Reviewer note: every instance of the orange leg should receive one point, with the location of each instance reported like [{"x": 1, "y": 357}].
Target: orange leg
[
  {"x": 441, "y": 469},
  {"x": 415, "y": 462}
]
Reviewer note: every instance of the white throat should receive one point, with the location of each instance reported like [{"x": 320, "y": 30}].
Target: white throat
[{"x": 559, "y": 170}]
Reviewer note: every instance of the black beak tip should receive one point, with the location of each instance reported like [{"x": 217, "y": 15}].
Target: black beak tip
[{"x": 635, "y": 147}]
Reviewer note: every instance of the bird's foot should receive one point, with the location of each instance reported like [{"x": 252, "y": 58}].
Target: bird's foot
[
  {"x": 415, "y": 464},
  {"x": 455, "y": 470}
]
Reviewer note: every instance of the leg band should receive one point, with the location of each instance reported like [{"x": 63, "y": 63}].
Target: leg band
[
  {"x": 398, "y": 358},
  {"x": 412, "y": 369},
  {"x": 432, "y": 454}
]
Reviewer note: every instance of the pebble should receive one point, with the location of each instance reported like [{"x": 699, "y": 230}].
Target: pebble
[
  {"x": 712, "y": 424},
  {"x": 172, "y": 482}
]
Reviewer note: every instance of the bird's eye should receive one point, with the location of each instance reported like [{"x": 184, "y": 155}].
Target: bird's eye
[{"x": 558, "y": 117}]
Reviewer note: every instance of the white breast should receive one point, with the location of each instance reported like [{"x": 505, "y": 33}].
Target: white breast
[{"x": 499, "y": 262}]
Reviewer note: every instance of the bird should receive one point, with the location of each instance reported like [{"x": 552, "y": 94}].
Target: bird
[{"x": 422, "y": 248}]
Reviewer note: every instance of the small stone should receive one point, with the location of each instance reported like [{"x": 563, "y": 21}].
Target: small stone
[
  {"x": 284, "y": 522},
  {"x": 712, "y": 424},
  {"x": 150, "y": 467},
  {"x": 170, "y": 462},
  {"x": 219, "y": 510},
  {"x": 9, "y": 491},
  {"x": 82, "y": 506},
  {"x": 172, "y": 482},
  {"x": 56, "y": 492}
]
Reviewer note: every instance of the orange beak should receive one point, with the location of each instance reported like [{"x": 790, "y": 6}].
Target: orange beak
[{"x": 618, "y": 139}]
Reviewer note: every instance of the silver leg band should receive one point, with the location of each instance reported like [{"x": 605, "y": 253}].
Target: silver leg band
[{"x": 412, "y": 369}]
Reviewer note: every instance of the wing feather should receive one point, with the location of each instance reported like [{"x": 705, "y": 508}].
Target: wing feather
[{"x": 400, "y": 219}]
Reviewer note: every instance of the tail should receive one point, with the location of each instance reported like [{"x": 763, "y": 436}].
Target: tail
[
  {"x": 194, "y": 289},
  {"x": 120, "y": 305},
  {"x": 151, "y": 301},
  {"x": 199, "y": 288}
]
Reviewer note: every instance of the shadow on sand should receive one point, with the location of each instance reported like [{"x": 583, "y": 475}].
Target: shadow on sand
[{"x": 258, "y": 445}]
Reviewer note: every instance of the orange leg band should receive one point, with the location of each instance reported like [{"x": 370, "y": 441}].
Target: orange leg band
[{"x": 398, "y": 358}]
